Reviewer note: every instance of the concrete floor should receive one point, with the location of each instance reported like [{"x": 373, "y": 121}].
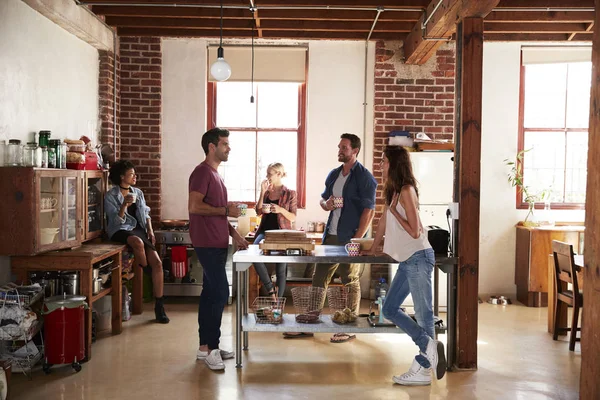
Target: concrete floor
[{"x": 517, "y": 360}]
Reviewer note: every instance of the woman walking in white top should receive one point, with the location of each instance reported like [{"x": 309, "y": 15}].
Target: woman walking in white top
[{"x": 406, "y": 241}]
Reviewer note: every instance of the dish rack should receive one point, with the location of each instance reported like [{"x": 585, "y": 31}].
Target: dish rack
[{"x": 21, "y": 340}]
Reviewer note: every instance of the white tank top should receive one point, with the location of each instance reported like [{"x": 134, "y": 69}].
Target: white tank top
[{"x": 398, "y": 243}]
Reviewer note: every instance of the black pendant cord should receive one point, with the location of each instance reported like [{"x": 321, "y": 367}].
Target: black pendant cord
[
  {"x": 252, "y": 73},
  {"x": 221, "y": 26},
  {"x": 127, "y": 188}
]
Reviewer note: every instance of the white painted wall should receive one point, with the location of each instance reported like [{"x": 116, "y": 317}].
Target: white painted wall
[
  {"x": 501, "y": 74},
  {"x": 48, "y": 80},
  {"x": 183, "y": 120},
  {"x": 335, "y": 106}
]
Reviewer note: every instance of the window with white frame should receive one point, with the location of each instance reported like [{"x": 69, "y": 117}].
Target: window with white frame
[{"x": 554, "y": 129}]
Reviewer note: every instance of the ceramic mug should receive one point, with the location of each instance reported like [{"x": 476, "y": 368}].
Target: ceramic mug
[
  {"x": 49, "y": 203},
  {"x": 243, "y": 208},
  {"x": 338, "y": 202},
  {"x": 266, "y": 208},
  {"x": 353, "y": 249}
]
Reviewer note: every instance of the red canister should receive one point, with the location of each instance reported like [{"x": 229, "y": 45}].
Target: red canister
[{"x": 64, "y": 331}]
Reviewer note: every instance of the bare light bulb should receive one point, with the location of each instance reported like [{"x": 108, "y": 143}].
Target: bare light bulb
[{"x": 220, "y": 69}]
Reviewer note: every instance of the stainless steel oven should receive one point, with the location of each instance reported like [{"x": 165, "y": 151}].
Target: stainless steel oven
[{"x": 191, "y": 283}]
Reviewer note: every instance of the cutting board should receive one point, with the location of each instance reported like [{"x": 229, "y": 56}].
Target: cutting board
[{"x": 283, "y": 239}]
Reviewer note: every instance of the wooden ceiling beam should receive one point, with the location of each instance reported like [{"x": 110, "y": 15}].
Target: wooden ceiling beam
[
  {"x": 534, "y": 28},
  {"x": 267, "y": 34},
  {"x": 193, "y": 23},
  {"x": 540, "y": 16},
  {"x": 526, "y": 37},
  {"x": 228, "y": 13},
  {"x": 416, "y": 4},
  {"x": 442, "y": 23},
  {"x": 546, "y": 4}
]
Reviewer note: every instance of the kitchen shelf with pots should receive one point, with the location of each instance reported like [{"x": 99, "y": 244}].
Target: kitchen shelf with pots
[{"x": 101, "y": 294}]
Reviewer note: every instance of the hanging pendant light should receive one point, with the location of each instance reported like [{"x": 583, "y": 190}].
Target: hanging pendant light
[
  {"x": 252, "y": 76},
  {"x": 220, "y": 70}
]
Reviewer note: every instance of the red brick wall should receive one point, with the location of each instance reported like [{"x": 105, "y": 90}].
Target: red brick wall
[
  {"x": 106, "y": 87},
  {"x": 140, "y": 116},
  {"x": 415, "y": 98}
]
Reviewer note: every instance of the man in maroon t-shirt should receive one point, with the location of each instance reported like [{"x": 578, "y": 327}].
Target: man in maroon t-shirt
[{"x": 210, "y": 231}]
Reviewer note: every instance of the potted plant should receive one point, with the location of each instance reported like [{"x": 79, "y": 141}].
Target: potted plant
[{"x": 515, "y": 178}]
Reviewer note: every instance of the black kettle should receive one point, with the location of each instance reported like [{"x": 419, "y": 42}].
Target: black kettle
[{"x": 439, "y": 239}]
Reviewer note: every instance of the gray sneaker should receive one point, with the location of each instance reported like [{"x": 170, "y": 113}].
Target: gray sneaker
[
  {"x": 436, "y": 357},
  {"x": 214, "y": 360}
]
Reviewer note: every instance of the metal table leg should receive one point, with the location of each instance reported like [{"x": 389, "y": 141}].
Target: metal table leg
[
  {"x": 238, "y": 319},
  {"x": 436, "y": 301},
  {"x": 245, "y": 305}
]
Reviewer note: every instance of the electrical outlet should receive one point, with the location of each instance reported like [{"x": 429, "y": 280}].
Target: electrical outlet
[{"x": 453, "y": 209}]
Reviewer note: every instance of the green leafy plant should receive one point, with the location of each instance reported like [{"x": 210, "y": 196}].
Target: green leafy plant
[{"x": 515, "y": 178}]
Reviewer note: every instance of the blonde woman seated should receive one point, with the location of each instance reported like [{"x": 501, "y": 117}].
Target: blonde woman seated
[{"x": 279, "y": 212}]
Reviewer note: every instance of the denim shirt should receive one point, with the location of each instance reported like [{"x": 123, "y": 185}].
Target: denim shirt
[
  {"x": 358, "y": 194},
  {"x": 112, "y": 204}
]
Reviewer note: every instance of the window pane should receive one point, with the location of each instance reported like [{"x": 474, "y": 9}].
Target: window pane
[
  {"x": 545, "y": 163},
  {"x": 278, "y": 105},
  {"x": 576, "y": 169},
  {"x": 238, "y": 171},
  {"x": 233, "y": 105},
  {"x": 545, "y": 87},
  {"x": 578, "y": 95},
  {"x": 279, "y": 147}
]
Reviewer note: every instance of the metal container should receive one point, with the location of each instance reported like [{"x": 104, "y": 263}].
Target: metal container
[
  {"x": 96, "y": 285},
  {"x": 69, "y": 283},
  {"x": 64, "y": 331}
]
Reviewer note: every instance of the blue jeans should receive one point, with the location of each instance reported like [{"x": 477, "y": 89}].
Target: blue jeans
[
  {"x": 263, "y": 274},
  {"x": 414, "y": 277},
  {"x": 215, "y": 292}
]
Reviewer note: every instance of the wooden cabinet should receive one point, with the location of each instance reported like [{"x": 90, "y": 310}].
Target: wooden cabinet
[
  {"x": 533, "y": 246},
  {"x": 40, "y": 210},
  {"x": 93, "y": 191},
  {"x": 49, "y": 209}
]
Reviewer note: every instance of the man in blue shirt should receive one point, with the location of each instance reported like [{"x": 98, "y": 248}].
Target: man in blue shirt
[{"x": 349, "y": 218}]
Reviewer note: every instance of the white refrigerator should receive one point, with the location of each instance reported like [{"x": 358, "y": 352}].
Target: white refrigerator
[{"x": 434, "y": 172}]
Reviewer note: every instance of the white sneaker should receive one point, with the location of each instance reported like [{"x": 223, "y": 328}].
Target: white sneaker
[
  {"x": 214, "y": 360},
  {"x": 436, "y": 357},
  {"x": 416, "y": 376},
  {"x": 225, "y": 355}
]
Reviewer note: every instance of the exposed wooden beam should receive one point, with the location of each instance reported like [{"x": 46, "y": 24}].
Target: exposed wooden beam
[
  {"x": 534, "y": 28},
  {"x": 590, "y": 339},
  {"x": 525, "y": 37},
  {"x": 588, "y": 29},
  {"x": 416, "y": 4},
  {"x": 442, "y": 23},
  {"x": 546, "y": 4},
  {"x": 469, "y": 188},
  {"x": 275, "y": 34},
  {"x": 228, "y": 13},
  {"x": 76, "y": 20},
  {"x": 540, "y": 16},
  {"x": 194, "y": 23}
]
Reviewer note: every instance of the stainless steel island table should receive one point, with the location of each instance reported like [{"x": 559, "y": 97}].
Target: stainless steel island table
[{"x": 243, "y": 259}]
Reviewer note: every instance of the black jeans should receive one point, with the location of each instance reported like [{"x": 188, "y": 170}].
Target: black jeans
[{"x": 215, "y": 292}]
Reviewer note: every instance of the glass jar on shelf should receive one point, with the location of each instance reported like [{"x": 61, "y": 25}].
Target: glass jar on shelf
[
  {"x": 29, "y": 154},
  {"x": 44, "y": 137},
  {"x": 44, "y": 156},
  {"x": 14, "y": 153},
  {"x": 63, "y": 155},
  {"x": 56, "y": 146},
  {"x": 2, "y": 153}
]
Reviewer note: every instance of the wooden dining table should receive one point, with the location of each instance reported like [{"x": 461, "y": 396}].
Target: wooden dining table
[{"x": 562, "y": 317}]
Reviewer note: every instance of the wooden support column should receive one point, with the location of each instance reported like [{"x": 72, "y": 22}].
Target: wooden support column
[
  {"x": 590, "y": 337},
  {"x": 469, "y": 185}
]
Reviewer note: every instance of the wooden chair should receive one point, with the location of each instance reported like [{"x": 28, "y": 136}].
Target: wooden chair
[{"x": 565, "y": 272}]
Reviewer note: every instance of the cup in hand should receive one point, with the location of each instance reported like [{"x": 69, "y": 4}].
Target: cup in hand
[
  {"x": 266, "y": 208},
  {"x": 133, "y": 197},
  {"x": 338, "y": 202},
  {"x": 353, "y": 249},
  {"x": 243, "y": 208}
]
